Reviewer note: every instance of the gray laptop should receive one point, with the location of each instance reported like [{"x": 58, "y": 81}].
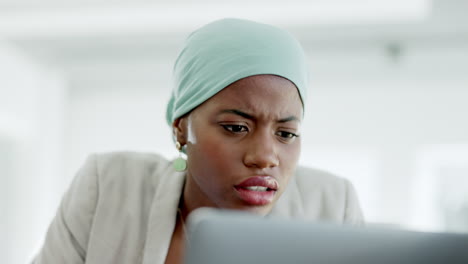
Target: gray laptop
[{"x": 227, "y": 237}]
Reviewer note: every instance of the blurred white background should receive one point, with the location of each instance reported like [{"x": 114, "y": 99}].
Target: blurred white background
[{"x": 387, "y": 107}]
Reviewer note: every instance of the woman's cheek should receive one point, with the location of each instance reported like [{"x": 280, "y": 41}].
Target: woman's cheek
[
  {"x": 216, "y": 149},
  {"x": 290, "y": 157}
]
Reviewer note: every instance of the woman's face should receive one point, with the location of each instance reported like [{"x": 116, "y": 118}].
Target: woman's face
[{"x": 242, "y": 145}]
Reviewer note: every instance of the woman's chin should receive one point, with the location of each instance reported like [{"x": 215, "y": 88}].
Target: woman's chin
[{"x": 261, "y": 210}]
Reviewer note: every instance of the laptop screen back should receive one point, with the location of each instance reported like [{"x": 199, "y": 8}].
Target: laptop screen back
[{"x": 229, "y": 238}]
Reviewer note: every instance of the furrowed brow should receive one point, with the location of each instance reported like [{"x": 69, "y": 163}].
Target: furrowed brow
[
  {"x": 288, "y": 119},
  {"x": 248, "y": 116},
  {"x": 239, "y": 113}
]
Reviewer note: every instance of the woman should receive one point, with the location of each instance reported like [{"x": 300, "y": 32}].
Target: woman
[{"x": 236, "y": 111}]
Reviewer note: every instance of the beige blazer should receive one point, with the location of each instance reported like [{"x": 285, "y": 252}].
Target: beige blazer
[{"x": 121, "y": 208}]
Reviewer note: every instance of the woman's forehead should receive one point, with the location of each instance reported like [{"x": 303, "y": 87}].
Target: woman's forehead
[{"x": 259, "y": 96}]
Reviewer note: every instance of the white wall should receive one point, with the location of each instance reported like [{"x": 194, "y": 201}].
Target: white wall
[
  {"x": 370, "y": 107},
  {"x": 118, "y": 117},
  {"x": 31, "y": 109},
  {"x": 5, "y": 166}
]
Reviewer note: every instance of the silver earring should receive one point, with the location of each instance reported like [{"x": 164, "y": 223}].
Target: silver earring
[{"x": 180, "y": 164}]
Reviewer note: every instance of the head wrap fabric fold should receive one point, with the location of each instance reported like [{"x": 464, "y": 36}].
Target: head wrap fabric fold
[{"x": 227, "y": 50}]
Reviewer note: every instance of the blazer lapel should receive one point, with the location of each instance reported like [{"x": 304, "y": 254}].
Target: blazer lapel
[{"x": 163, "y": 213}]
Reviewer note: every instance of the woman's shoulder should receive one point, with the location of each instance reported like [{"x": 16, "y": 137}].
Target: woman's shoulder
[
  {"x": 127, "y": 173},
  {"x": 127, "y": 184},
  {"x": 140, "y": 165},
  {"x": 111, "y": 191},
  {"x": 314, "y": 185},
  {"x": 308, "y": 178},
  {"x": 126, "y": 158}
]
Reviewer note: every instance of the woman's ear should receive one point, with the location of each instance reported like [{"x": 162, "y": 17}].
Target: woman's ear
[{"x": 179, "y": 130}]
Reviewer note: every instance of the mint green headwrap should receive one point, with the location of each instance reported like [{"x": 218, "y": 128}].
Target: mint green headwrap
[{"x": 228, "y": 50}]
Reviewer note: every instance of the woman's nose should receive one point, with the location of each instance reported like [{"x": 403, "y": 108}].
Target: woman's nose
[{"x": 261, "y": 153}]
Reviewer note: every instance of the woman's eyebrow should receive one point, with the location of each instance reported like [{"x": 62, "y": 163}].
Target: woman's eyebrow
[
  {"x": 288, "y": 119},
  {"x": 248, "y": 116},
  {"x": 239, "y": 113}
]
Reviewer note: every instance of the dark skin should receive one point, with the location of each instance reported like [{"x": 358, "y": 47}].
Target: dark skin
[{"x": 250, "y": 128}]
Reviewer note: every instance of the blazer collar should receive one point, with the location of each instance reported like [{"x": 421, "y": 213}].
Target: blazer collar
[{"x": 163, "y": 214}]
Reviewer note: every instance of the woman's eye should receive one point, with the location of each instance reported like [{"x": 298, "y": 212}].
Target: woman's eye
[
  {"x": 235, "y": 128},
  {"x": 286, "y": 135}
]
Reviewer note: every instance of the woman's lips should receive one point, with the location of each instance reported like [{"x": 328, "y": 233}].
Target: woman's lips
[{"x": 257, "y": 190}]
